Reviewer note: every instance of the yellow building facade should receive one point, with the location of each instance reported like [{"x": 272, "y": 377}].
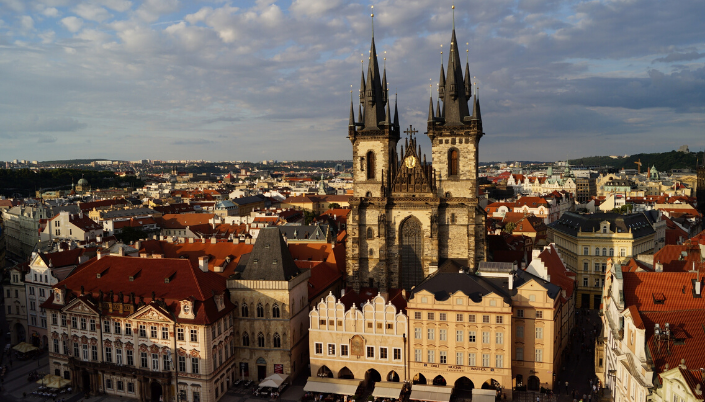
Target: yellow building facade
[{"x": 587, "y": 241}]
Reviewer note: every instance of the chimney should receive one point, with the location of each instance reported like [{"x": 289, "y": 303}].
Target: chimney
[
  {"x": 121, "y": 251},
  {"x": 659, "y": 266},
  {"x": 213, "y": 240},
  {"x": 101, "y": 253},
  {"x": 144, "y": 255},
  {"x": 99, "y": 239},
  {"x": 157, "y": 255},
  {"x": 698, "y": 286},
  {"x": 342, "y": 292},
  {"x": 138, "y": 244},
  {"x": 511, "y": 281},
  {"x": 203, "y": 263},
  {"x": 548, "y": 278}
]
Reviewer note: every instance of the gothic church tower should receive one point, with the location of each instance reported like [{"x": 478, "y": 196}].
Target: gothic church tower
[{"x": 410, "y": 217}]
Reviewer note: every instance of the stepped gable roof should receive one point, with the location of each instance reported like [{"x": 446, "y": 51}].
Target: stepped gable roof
[
  {"x": 679, "y": 258},
  {"x": 661, "y": 291},
  {"x": 395, "y": 296},
  {"x": 571, "y": 223},
  {"x": 185, "y": 282},
  {"x": 444, "y": 284},
  {"x": 180, "y": 221},
  {"x": 218, "y": 253},
  {"x": 270, "y": 259},
  {"x": 560, "y": 275}
]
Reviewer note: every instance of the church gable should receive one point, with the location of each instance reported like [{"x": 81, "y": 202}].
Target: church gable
[{"x": 412, "y": 174}]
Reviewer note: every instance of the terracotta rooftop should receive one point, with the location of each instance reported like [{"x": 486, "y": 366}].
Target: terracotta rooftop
[
  {"x": 128, "y": 275},
  {"x": 661, "y": 291},
  {"x": 180, "y": 221}
]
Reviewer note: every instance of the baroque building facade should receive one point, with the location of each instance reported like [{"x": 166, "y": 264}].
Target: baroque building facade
[
  {"x": 409, "y": 216},
  {"x": 114, "y": 331}
]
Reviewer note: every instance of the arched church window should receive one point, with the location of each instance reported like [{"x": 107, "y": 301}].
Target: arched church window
[
  {"x": 370, "y": 233},
  {"x": 370, "y": 165},
  {"x": 245, "y": 339},
  {"x": 260, "y": 340},
  {"x": 453, "y": 162},
  {"x": 245, "y": 311},
  {"x": 277, "y": 340},
  {"x": 260, "y": 310},
  {"x": 275, "y": 311}
]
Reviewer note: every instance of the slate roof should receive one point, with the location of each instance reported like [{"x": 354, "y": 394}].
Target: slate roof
[
  {"x": 570, "y": 222},
  {"x": 444, "y": 284},
  {"x": 270, "y": 258}
]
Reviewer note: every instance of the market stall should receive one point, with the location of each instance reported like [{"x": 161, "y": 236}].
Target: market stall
[
  {"x": 323, "y": 388},
  {"x": 390, "y": 390}
]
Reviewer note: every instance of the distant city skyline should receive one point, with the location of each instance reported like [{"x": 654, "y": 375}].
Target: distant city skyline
[{"x": 265, "y": 80}]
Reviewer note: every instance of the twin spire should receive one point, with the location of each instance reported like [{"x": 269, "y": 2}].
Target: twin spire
[{"x": 374, "y": 97}]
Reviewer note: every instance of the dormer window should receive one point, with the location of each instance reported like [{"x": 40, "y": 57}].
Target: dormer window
[{"x": 604, "y": 229}]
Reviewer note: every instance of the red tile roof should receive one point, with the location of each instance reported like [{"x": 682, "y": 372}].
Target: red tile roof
[
  {"x": 671, "y": 256},
  {"x": 323, "y": 275},
  {"x": 185, "y": 281},
  {"x": 661, "y": 291},
  {"x": 686, "y": 327},
  {"x": 634, "y": 265},
  {"x": 217, "y": 253},
  {"x": 560, "y": 275},
  {"x": 634, "y": 312}
]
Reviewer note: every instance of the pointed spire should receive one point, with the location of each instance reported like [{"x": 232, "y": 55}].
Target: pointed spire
[
  {"x": 351, "y": 122},
  {"x": 384, "y": 82},
  {"x": 396, "y": 114},
  {"x": 430, "y": 109},
  {"x": 441, "y": 84},
  {"x": 476, "y": 108},
  {"x": 438, "y": 109},
  {"x": 362, "y": 87},
  {"x": 374, "y": 92},
  {"x": 387, "y": 116},
  {"x": 468, "y": 83},
  {"x": 359, "y": 114},
  {"x": 455, "y": 102}
]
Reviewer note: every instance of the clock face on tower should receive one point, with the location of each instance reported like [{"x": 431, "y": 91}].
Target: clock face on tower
[{"x": 410, "y": 162}]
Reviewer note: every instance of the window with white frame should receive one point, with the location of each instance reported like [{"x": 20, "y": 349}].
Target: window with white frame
[
  {"x": 443, "y": 357},
  {"x": 443, "y": 334},
  {"x": 485, "y": 360},
  {"x": 331, "y": 349},
  {"x": 417, "y": 333},
  {"x": 539, "y": 355},
  {"x": 383, "y": 353},
  {"x": 431, "y": 334},
  {"x": 431, "y": 356},
  {"x": 520, "y": 332},
  {"x": 459, "y": 358},
  {"x": 471, "y": 359},
  {"x": 499, "y": 361},
  {"x": 485, "y": 337},
  {"x": 458, "y": 336},
  {"x": 539, "y": 333},
  {"x": 471, "y": 336},
  {"x": 417, "y": 355},
  {"x": 499, "y": 338}
]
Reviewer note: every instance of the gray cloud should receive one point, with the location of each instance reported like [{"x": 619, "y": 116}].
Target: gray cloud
[{"x": 552, "y": 75}]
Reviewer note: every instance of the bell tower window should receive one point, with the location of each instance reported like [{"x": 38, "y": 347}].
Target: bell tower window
[
  {"x": 370, "y": 165},
  {"x": 453, "y": 162}
]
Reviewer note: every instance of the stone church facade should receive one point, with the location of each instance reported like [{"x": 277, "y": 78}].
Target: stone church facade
[{"x": 409, "y": 216}]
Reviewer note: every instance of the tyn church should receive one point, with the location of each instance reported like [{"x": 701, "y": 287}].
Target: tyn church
[{"x": 411, "y": 217}]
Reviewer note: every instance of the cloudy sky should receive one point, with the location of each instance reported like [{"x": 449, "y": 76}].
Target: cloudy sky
[{"x": 264, "y": 79}]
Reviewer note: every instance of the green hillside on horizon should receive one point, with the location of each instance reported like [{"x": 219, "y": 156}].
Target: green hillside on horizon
[{"x": 664, "y": 161}]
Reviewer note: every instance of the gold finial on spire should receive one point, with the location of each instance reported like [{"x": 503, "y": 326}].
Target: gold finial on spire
[
  {"x": 467, "y": 53},
  {"x": 385, "y": 59},
  {"x": 441, "y": 54},
  {"x": 373, "y": 20},
  {"x": 430, "y": 87},
  {"x": 453, "y": 8},
  {"x": 351, "y": 89}
]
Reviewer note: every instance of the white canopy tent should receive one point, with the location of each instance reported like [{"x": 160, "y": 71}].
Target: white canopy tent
[
  {"x": 338, "y": 386},
  {"x": 431, "y": 393}
]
